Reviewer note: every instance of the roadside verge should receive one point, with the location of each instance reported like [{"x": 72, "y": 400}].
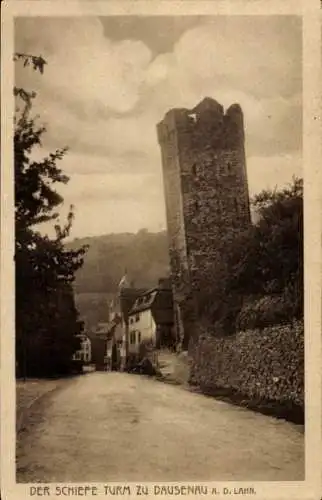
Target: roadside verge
[{"x": 31, "y": 391}]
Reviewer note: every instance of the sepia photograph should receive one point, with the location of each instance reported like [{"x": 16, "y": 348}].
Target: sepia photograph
[{"x": 158, "y": 253}]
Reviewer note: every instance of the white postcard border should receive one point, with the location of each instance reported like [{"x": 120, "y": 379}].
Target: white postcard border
[{"x": 311, "y": 487}]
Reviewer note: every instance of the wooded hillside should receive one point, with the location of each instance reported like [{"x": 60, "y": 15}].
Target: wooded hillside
[{"x": 144, "y": 255}]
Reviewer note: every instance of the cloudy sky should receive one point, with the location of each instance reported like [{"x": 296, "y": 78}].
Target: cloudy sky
[{"x": 110, "y": 80}]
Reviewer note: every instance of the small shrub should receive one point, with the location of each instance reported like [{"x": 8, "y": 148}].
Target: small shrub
[{"x": 266, "y": 311}]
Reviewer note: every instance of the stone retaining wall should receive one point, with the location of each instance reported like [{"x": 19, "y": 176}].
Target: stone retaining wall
[{"x": 264, "y": 368}]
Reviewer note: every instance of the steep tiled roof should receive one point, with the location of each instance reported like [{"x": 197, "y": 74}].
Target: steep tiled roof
[
  {"x": 159, "y": 301},
  {"x": 101, "y": 330},
  {"x": 128, "y": 297},
  {"x": 144, "y": 301}
]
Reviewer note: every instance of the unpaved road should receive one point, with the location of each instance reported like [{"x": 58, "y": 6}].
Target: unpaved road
[{"x": 114, "y": 426}]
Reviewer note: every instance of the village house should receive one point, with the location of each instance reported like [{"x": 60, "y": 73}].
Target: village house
[
  {"x": 84, "y": 354},
  {"x": 115, "y": 346},
  {"x": 138, "y": 315},
  {"x": 98, "y": 336},
  {"x": 151, "y": 320},
  {"x": 118, "y": 334}
]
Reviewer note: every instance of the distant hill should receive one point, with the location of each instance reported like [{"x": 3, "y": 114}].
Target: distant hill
[
  {"x": 93, "y": 307},
  {"x": 144, "y": 255}
]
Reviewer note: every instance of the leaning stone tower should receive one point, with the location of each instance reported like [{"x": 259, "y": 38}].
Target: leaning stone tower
[{"x": 206, "y": 194}]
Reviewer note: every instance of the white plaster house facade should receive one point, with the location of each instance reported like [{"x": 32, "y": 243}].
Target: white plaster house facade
[
  {"x": 142, "y": 326},
  {"x": 85, "y": 352}
]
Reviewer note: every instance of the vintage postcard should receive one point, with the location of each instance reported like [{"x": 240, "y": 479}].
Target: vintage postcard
[{"x": 161, "y": 250}]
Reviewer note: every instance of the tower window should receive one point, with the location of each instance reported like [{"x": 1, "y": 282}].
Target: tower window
[{"x": 197, "y": 205}]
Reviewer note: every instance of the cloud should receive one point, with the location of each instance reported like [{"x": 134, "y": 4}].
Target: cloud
[
  {"x": 110, "y": 188},
  {"x": 103, "y": 97},
  {"x": 97, "y": 217},
  {"x": 255, "y": 55},
  {"x": 107, "y": 198},
  {"x": 121, "y": 201},
  {"x": 98, "y": 178},
  {"x": 82, "y": 63},
  {"x": 272, "y": 172},
  {"x": 227, "y": 60}
]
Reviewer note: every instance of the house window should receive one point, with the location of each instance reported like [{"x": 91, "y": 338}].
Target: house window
[
  {"x": 139, "y": 338},
  {"x": 137, "y": 317},
  {"x": 229, "y": 167},
  {"x": 132, "y": 338},
  {"x": 131, "y": 320},
  {"x": 194, "y": 169}
]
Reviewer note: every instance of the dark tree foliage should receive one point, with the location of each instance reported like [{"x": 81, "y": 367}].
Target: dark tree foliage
[
  {"x": 47, "y": 322},
  {"x": 259, "y": 281},
  {"x": 276, "y": 242}
]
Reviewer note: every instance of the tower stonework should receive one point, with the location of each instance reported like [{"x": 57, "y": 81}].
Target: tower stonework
[{"x": 206, "y": 194}]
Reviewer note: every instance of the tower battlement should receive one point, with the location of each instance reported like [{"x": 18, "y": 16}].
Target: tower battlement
[{"x": 207, "y": 121}]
